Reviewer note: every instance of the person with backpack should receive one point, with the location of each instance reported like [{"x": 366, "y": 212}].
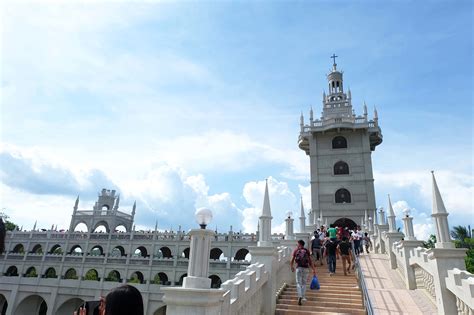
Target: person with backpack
[
  {"x": 316, "y": 253},
  {"x": 302, "y": 258},
  {"x": 330, "y": 252}
]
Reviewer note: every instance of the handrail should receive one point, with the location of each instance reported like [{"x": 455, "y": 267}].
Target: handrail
[{"x": 363, "y": 287}]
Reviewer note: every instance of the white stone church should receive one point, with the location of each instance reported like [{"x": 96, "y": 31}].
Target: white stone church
[{"x": 203, "y": 272}]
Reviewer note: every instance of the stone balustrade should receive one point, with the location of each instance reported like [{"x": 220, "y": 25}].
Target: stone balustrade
[{"x": 461, "y": 284}]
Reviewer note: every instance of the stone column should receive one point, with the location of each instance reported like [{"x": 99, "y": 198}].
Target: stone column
[
  {"x": 303, "y": 217},
  {"x": 408, "y": 248},
  {"x": 382, "y": 227}
]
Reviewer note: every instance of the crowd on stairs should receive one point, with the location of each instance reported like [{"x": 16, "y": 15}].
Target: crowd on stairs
[{"x": 339, "y": 292}]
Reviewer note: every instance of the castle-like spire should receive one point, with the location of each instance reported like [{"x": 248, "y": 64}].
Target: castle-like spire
[
  {"x": 266, "y": 210},
  {"x": 302, "y": 217},
  {"x": 117, "y": 202},
  {"x": 265, "y": 221},
  {"x": 376, "y": 114},
  {"x": 365, "y": 109},
  {"x": 311, "y": 114},
  {"x": 440, "y": 218},
  {"x": 156, "y": 225},
  {"x": 438, "y": 204},
  {"x": 134, "y": 208},
  {"x": 301, "y": 119},
  {"x": 76, "y": 204},
  {"x": 391, "y": 217}
]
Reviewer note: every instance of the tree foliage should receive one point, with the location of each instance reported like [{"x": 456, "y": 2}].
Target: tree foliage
[
  {"x": 463, "y": 239},
  {"x": 430, "y": 243}
]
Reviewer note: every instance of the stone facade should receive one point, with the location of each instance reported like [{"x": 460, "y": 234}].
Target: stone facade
[{"x": 52, "y": 272}]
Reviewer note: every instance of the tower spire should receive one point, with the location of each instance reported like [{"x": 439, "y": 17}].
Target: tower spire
[
  {"x": 266, "y": 210},
  {"x": 302, "y": 217},
  {"x": 440, "y": 218},
  {"x": 265, "y": 221},
  {"x": 391, "y": 217}
]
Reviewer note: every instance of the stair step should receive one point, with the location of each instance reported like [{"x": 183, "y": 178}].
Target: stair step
[
  {"x": 317, "y": 309},
  {"x": 356, "y": 293},
  {"x": 302, "y": 312},
  {"x": 324, "y": 303}
]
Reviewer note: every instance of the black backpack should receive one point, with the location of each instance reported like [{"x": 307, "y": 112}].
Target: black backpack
[
  {"x": 316, "y": 243},
  {"x": 302, "y": 258}
]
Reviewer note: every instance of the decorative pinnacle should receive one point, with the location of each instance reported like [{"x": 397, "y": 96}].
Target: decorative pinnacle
[{"x": 438, "y": 204}]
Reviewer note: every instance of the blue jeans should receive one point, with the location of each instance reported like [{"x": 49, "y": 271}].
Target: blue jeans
[
  {"x": 301, "y": 279},
  {"x": 332, "y": 263},
  {"x": 357, "y": 247}
]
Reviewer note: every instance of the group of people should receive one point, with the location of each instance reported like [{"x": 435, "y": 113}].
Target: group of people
[{"x": 329, "y": 245}]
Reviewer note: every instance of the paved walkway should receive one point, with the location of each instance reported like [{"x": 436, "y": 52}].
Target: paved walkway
[{"x": 387, "y": 290}]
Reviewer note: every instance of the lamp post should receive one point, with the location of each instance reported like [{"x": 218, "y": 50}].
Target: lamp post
[
  {"x": 198, "y": 267},
  {"x": 370, "y": 225}
]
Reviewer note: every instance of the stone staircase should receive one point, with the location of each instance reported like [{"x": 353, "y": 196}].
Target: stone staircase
[{"x": 339, "y": 294}]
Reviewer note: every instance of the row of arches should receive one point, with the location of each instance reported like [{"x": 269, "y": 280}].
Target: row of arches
[
  {"x": 36, "y": 304},
  {"x": 112, "y": 276},
  {"x": 100, "y": 227},
  {"x": 119, "y": 251}
]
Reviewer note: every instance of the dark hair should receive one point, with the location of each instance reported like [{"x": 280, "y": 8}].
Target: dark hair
[
  {"x": 301, "y": 242},
  {"x": 124, "y": 300},
  {"x": 331, "y": 225},
  {"x": 366, "y": 233},
  {"x": 344, "y": 238}
]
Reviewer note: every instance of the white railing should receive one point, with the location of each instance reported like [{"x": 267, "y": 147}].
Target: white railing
[
  {"x": 244, "y": 293},
  {"x": 422, "y": 263},
  {"x": 461, "y": 284}
]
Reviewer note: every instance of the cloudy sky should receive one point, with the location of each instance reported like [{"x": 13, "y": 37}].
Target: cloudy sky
[{"x": 179, "y": 105}]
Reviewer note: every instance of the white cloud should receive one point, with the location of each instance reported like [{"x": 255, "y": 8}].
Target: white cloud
[
  {"x": 282, "y": 200},
  {"x": 423, "y": 231},
  {"x": 457, "y": 191}
]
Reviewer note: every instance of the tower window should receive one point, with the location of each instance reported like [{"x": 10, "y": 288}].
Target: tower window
[
  {"x": 341, "y": 168},
  {"x": 333, "y": 84},
  {"x": 339, "y": 142},
  {"x": 337, "y": 83},
  {"x": 343, "y": 196}
]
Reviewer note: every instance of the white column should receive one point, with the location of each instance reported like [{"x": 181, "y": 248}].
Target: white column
[
  {"x": 302, "y": 217},
  {"x": 198, "y": 266},
  {"x": 391, "y": 217},
  {"x": 408, "y": 226}
]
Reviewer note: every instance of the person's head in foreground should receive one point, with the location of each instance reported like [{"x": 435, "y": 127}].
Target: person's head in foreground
[{"x": 124, "y": 300}]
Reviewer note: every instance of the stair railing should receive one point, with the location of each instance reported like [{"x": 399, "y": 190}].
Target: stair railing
[{"x": 363, "y": 286}]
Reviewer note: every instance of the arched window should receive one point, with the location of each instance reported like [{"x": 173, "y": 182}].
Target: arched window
[
  {"x": 341, "y": 168},
  {"x": 343, "y": 196},
  {"x": 339, "y": 142}
]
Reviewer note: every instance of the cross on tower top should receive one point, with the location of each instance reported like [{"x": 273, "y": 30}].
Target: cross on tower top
[{"x": 334, "y": 62}]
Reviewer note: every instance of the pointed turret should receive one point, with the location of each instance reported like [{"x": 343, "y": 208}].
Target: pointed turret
[
  {"x": 440, "y": 218},
  {"x": 156, "y": 225},
  {"x": 266, "y": 210},
  {"x": 324, "y": 96},
  {"x": 365, "y": 110},
  {"x": 76, "y": 204},
  {"x": 302, "y": 217},
  {"x": 376, "y": 114},
  {"x": 134, "y": 208},
  {"x": 265, "y": 221},
  {"x": 349, "y": 94},
  {"x": 311, "y": 114},
  {"x": 392, "y": 227},
  {"x": 117, "y": 203},
  {"x": 34, "y": 226}
]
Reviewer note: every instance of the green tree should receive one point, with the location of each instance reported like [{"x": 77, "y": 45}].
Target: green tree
[
  {"x": 91, "y": 275},
  {"x": 9, "y": 226},
  {"x": 430, "y": 243},
  {"x": 460, "y": 234}
]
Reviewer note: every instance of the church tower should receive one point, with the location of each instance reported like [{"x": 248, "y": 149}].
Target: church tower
[{"x": 339, "y": 145}]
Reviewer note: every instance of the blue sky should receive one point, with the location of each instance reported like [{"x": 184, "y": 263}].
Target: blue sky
[{"x": 186, "y": 104}]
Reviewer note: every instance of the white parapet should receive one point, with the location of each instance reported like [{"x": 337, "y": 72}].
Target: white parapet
[{"x": 461, "y": 284}]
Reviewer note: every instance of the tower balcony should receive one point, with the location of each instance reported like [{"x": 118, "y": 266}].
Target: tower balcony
[{"x": 338, "y": 124}]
